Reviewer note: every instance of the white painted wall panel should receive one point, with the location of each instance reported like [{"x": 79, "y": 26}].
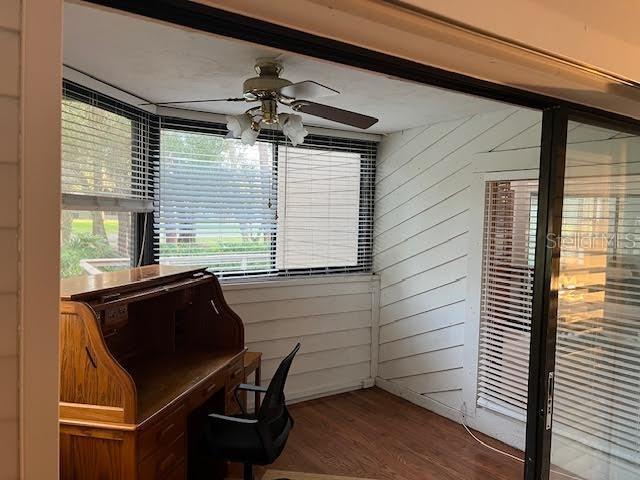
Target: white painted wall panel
[
  {"x": 443, "y": 381},
  {"x": 433, "y": 299},
  {"x": 330, "y": 316},
  {"x": 421, "y": 244},
  {"x": 428, "y": 362},
  {"x": 424, "y": 342},
  {"x": 442, "y": 317}
]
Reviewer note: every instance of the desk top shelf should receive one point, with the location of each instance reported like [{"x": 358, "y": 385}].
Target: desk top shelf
[{"x": 88, "y": 287}]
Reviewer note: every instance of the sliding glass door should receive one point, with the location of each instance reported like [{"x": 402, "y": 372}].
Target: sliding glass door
[
  {"x": 596, "y": 415},
  {"x": 584, "y": 387}
]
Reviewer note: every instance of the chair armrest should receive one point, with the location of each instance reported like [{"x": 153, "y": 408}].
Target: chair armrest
[
  {"x": 252, "y": 388},
  {"x": 226, "y": 418}
]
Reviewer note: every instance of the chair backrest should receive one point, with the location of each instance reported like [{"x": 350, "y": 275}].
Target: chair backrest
[
  {"x": 274, "y": 421},
  {"x": 273, "y": 406}
]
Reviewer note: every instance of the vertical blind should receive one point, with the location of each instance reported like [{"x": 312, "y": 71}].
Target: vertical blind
[
  {"x": 507, "y": 288},
  {"x": 270, "y": 208},
  {"x": 106, "y": 146},
  {"x": 597, "y": 388}
]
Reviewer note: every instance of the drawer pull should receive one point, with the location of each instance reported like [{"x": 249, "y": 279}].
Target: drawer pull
[
  {"x": 237, "y": 372},
  {"x": 166, "y": 463},
  {"x": 165, "y": 430},
  {"x": 210, "y": 388}
]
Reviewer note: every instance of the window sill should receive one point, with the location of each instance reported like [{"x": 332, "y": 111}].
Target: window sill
[{"x": 273, "y": 282}]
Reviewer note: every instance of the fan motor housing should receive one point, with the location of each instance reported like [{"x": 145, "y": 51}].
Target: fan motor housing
[
  {"x": 264, "y": 86},
  {"x": 267, "y": 84}
]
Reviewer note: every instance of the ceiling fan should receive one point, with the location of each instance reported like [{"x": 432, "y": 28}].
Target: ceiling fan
[{"x": 270, "y": 89}]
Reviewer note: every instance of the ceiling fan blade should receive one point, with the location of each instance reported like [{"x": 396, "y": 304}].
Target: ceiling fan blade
[
  {"x": 159, "y": 104},
  {"x": 334, "y": 114},
  {"x": 307, "y": 89}
]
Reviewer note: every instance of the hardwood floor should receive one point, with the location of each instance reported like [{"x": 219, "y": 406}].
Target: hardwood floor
[{"x": 373, "y": 434}]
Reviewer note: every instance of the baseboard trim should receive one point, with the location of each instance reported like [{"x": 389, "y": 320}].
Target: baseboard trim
[
  {"x": 323, "y": 391},
  {"x": 504, "y": 429},
  {"x": 420, "y": 400},
  {"x": 326, "y": 390}
]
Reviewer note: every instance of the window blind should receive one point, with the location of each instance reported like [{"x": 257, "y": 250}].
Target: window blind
[
  {"x": 267, "y": 209},
  {"x": 597, "y": 393},
  {"x": 107, "y": 158},
  {"x": 215, "y": 200},
  {"x": 325, "y": 206},
  {"x": 106, "y": 151},
  {"x": 507, "y": 287},
  {"x": 598, "y": 341}
]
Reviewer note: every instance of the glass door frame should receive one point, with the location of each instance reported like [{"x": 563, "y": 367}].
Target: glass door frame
[
  {"x": 544, "y": 321},
  {"x": 556, "y": 114}
]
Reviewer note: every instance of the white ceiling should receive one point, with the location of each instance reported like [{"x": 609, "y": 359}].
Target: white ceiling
[{"x": 163, "y": 63}]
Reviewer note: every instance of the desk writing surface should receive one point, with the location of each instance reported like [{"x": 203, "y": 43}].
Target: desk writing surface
[
  {"x": 161, "y": 379},
  {"x": 76, "y": 288}
]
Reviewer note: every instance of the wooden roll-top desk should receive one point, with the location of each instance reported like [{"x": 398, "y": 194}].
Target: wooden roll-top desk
[{"x": 145, "y": 355}]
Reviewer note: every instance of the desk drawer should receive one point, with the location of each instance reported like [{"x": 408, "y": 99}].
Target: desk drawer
[
  {"x": 163, "y": 432},
  {"x": 162, "y": 463},
  {"x": 178, "y": 473},
  {"x": 236, "y": 374},
  {"x": 206, "y": 390}
]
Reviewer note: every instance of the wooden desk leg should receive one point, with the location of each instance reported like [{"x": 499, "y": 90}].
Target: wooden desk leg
[{"x": 257, "y": 394}]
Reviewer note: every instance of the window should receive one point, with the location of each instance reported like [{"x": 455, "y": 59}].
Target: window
[
  {"x": 318, "y": 208},
  {"x": 215, "y": 203},
  {"x": 265, "y": 209},
  {"x": 507, "y": 288},
  {"x": 105, "y": 181},
  {"x": 95, "y": 241}
]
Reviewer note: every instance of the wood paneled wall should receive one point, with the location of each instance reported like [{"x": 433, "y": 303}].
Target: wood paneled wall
[
  {"x": 421, "y": 245},
  {"x": 331, "y": 316}
]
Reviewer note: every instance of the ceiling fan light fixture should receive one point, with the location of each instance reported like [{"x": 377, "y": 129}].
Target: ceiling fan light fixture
[
  {"x": 243, "y": 127},
  {"x": 292, "y": 127},
  {"x": 236, "y": 124},
  {"x": 249, "y": 136}
]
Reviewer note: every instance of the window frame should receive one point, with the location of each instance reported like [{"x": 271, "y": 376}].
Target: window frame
[
  {"x": 500, "y": 422},
  {"x": 141, "y": 120},
  {"x": 368, "y": 153},
  {"x": 144, "y": 237}
]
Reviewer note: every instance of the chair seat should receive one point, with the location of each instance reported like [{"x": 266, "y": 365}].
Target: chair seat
[{"x": 237, "y": 442}]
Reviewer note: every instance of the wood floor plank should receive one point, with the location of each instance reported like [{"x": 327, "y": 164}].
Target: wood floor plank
[{"x": 373, "y": 434}]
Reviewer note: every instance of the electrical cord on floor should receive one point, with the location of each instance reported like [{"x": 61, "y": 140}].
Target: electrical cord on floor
[
  {"x": 507, "y": 454},
  {"x": 497, "y": 450}
]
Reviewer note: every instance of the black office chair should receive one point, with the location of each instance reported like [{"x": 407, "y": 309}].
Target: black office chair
[{"x": 255, "y": 440}]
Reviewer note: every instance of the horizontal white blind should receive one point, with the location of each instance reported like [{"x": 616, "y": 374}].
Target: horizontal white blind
[
  {"x": 324, "y": 206},
  {"x": 597, "y": 388},
  {"x": 106, "y": 147},
  {"x": 215, "y": 201},
  {"x": 507, "y": 284},
  {"x": 598, "y": 339},
  {"x": 265, "y": 209}
]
